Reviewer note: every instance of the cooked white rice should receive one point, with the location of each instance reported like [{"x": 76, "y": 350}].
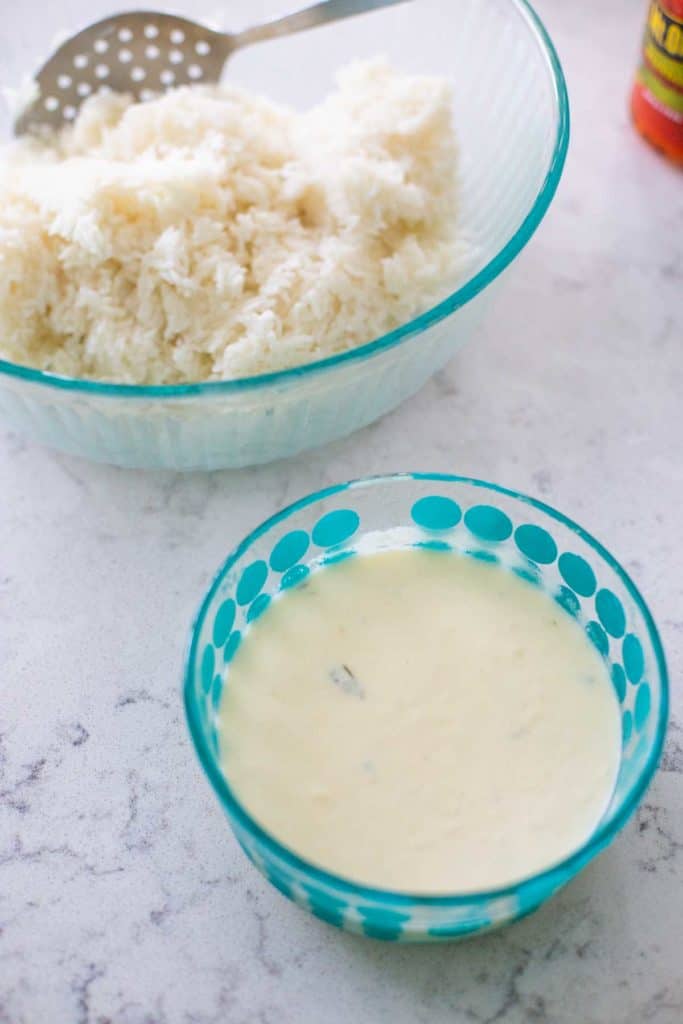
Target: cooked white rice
[{"x": 210, "y": 234}]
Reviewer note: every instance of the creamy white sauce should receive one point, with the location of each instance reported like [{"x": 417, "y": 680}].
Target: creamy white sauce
[{"x": 421, "y": 721}]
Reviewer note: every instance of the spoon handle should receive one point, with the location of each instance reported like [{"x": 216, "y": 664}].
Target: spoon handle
[{"x": 310, "y": 17}]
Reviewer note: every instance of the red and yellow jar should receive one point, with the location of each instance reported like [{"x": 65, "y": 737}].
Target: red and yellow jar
[{"x": 657, "y": 97}]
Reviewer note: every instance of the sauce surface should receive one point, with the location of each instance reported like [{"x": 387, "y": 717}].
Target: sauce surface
[{"x": 421, "y": 721}]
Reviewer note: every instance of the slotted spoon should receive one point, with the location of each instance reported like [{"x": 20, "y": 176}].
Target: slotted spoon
[{"x": 147, "y": 52}]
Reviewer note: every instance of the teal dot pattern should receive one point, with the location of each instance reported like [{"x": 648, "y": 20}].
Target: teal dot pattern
[
  {"x": 208, "y": 664},
  {"x": 251, "y": 582},
  {"x": 231, "y": 647},
  {"x": 568, "y": 600},
  {"x": 599, "y": 609},
  {"x": 435, "y": 512},
  {"x": 434, "y": 545},
  {"x": 641, "y": 708},
  {"x": 258, "y": 606},
  {"x": 289, "y": 550},
  {"x": 577, "y": 574},
  {"x": 536, "y": 543},
  {"x": 482, "y": 555},
  {"x": 619, "y": 681},
  {"x": 294, "y": 576},
  {"x": 325, "y": 905},
  {"x": 597, "y": 637},
  {"x": 634, "y": 659},
  {"x": 488, "y": 523},
  {"x": 223, "y": 623},
  {"x": 610, "y": 612},
  {"x": 528, "y": 572},
  {"x": 216, "y": 691},
  {"x": 326, "y": 912},
  {"x": 383, "y": 924},
  {"x": 335, "y": 527}
]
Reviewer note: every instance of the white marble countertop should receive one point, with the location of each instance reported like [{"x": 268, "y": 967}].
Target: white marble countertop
[{"x": 123, "y": 897}]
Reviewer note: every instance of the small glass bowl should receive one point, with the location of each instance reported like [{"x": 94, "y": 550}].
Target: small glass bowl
[
  {"x": 511, "y": 117},
  {"x": 485, "y": 521}
]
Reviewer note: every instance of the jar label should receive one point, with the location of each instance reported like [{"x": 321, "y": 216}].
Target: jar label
[{"x": 661, "y": 72}]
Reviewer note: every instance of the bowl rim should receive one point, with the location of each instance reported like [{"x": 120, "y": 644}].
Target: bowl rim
[
  {"x": 458, "y": 298},
  {"x": 561, "y": 870}
]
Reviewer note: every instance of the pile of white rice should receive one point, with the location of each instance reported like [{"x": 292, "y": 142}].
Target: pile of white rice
[{"x": 210, "y": 234}]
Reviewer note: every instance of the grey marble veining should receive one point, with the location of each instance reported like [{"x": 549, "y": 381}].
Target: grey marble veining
[{"x": 123, "y": 897}]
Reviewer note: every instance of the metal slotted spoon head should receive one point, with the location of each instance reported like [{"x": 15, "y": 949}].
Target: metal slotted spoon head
[{"x": 143, "y": 53}]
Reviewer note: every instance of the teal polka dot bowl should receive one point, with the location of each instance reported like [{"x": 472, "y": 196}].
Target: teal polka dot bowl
[{"x": 450, "y": 513}]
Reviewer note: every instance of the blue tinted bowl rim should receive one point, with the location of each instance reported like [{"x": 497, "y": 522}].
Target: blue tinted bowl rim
[
  {"x": 559, "y": 872},
  {"x": 458, "y": 298}
]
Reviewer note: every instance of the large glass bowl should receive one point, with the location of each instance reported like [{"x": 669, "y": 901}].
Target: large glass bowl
[
  {"x": 512, "y": 122},
  {"x": 484, "y": 521}
]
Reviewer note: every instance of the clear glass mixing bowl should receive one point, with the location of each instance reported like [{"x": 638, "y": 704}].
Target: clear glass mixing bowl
[
  {"x": 484, "y": 521},
  {"x": 512, "y": 121}
]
